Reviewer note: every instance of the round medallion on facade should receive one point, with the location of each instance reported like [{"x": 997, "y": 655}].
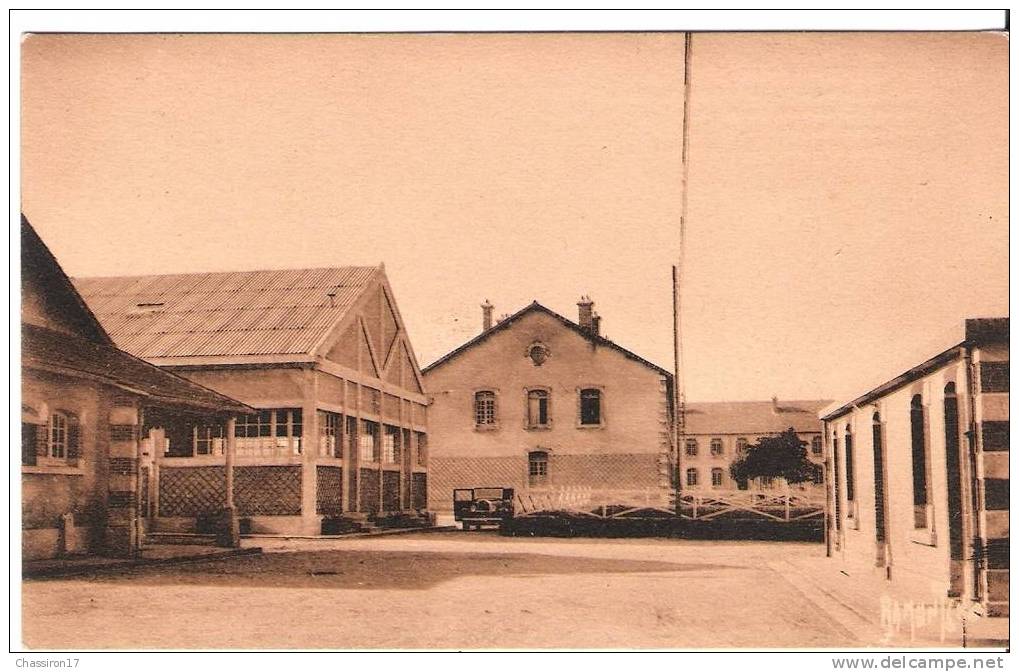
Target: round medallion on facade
[{"x": 538, "y": 352}]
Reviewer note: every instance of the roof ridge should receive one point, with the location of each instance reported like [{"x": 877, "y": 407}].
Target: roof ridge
[
  {"x": 535, "y": 305},
  {"x": 303, "y": 269}
]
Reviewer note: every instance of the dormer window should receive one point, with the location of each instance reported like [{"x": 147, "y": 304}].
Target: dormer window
[{"x": 147, "y": 308}]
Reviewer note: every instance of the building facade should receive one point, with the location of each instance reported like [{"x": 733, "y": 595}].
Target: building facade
[
  {"x": 716, "y": 433},
  {"x": 340, "y": 427},
  {"x": 920, "y": 463},
  {"x": 83, "y": 405},
  {"x": 538, "y": 401}
]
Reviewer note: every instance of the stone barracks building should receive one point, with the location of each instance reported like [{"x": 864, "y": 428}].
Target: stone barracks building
[
  {"x": 920, "y": 493},
  {"x": 83, "y": 403},
  {"x": 538, "y": 401},
  {"x": 339, "y": 429},
  {"x": 716, "y": 433}
]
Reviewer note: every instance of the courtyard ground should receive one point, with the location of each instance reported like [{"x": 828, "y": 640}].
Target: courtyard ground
[{"x": 451, "y": 590}]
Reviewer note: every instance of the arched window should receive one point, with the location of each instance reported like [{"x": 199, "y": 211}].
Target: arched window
[
  {"x": 691, "y": 447},
  {"x": 716, "y": 446},
  {"x": 590, "y": 407},
  {"x": 919, "y": 451},
  {"x": 691, "y": 476},
  {"x": 716, "y": 477},
  {"x": 537, "y": 467},
  {"x": 953, "y": 470},
  {"x": 538, "y": 409},
  {"x": 879, "y": 484},
  {"x": 815, "y": 446},
  {"x": 850, "y": 470},
  {"x": 484, "y": 408}
]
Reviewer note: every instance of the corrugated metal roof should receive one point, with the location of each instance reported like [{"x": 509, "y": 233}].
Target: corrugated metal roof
[
  {"x": 278, "y": 312},
  {"x": 752, "y": 417}
]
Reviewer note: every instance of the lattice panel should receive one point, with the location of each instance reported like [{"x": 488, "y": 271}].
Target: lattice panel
[
  {"x": 368, "y": 501},
  {"x": 329, "y": 489},
  {"x": 190, "y": 491},
  {"x": 448, "y": 473},
  {"x": 419, "y": 491},
  {"x": 267, "y": 491},
  {"x": 619, "y": 471},
  {"x": 390, "y": 491}
]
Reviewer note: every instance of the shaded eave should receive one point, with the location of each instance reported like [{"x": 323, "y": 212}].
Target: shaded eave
[{"x": 535, "y": 306}]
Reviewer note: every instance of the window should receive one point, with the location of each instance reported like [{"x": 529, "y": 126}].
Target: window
[
  {"x": 919, "y": 451},
  {"x": 879, "y": 482},
  {"x": 716, "y": 446},
  {"x": 391, "y": 445},
  {"x": 270, "y": 432},
  {"x": 815, "y": 445},
  {"x": 817, "y": 474},
  {"x": 422, "y": 455},
  {"x": 330, "y": 434},
  {"x": 590, "y": 407},
  {"x": 538, "y": 408},
  {"x": 716, "y": 477},
  {"x": 484, "y": 408},
  {"x": 537, "y": 467},
  {"x": 61, "y": 437},
  {"x": 208, "y": 440},
  {"x": 58, "y": 436},
  {"x": 741, "y": 445},
  {"x": 691, "y": 447},
  {"x": 368, "y": 441},
  {"x": 691, "y": 477},
  {"x": 850, "y": 471}
]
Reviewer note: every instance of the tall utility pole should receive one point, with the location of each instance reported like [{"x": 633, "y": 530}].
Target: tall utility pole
[{"x": 677, "y": 273}]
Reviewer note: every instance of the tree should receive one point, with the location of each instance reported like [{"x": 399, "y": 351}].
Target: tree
[{"x": 782, "y": 456}]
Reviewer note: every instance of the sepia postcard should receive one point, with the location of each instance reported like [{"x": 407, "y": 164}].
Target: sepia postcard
[{"x": 503, "y": 340}]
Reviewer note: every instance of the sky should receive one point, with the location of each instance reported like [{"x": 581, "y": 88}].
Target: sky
[{"x": 847, "y": 194}]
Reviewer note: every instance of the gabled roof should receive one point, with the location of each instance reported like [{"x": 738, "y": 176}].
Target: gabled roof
[
  {"x": 39, "y": 266},
  {"x": 89, "y": 352},
  {"x": 752, "y": 417},
  {"x": 281, "y": 312},
  {"x": 569, "y": 324}
]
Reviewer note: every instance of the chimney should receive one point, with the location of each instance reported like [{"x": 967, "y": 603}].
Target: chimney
[
  {"x": 486, "y": 315},
  {"x": 585, "y": 313},
  {"x": 596, "y": 324}
]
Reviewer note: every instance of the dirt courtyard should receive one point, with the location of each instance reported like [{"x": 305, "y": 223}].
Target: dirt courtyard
[{"x": 446, "y": 590}]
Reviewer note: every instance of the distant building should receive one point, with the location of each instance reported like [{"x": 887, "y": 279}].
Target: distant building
[
  {"x": 83, "y": 403},
  {"x": 538, "y": 402},
  {"x": 322, "y": 354},
  {"x": 716, "y": 433},
  {"x": 921, "y": 488}
]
